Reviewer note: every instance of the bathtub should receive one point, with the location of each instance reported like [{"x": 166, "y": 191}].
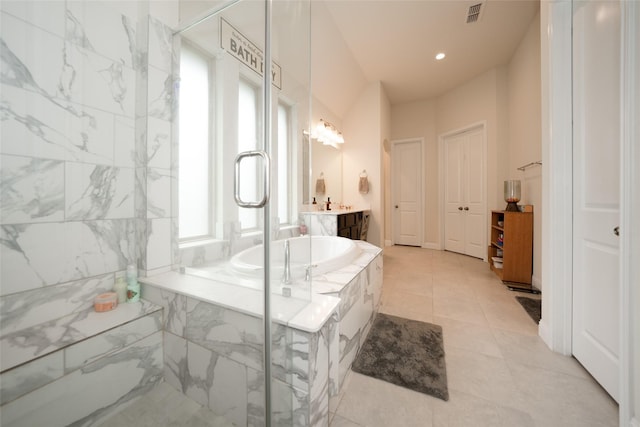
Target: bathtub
[{"x": 328, "y": 253}]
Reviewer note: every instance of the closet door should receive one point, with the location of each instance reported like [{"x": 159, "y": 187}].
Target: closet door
[
  {"x": 464, "y": 190},
  {"x": 596, "y": 191}
]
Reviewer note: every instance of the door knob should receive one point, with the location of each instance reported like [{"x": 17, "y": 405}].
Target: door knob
[
  {"x": 616, "y": 231},
  {"x": 466, "y": 208},
  {"x": 396, "y": 206},
  {"x": 459, "y": 208}
]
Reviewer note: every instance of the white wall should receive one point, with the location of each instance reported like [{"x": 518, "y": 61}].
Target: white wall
[
  {"x": 364, "y": 125},
  {"x": 525, "y": 130},
  {"x": 418, "y": 119},
  {"x": 513, "y": 130},
  {"x": 481, "y": 99}
]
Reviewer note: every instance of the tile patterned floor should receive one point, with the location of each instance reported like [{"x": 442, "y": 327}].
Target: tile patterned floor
[{"x": 500, "y": 373}]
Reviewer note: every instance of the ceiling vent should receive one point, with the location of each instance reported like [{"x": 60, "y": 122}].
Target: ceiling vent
[{"x": 474, "y": 13}]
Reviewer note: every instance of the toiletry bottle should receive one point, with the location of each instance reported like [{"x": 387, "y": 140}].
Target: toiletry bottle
[
  {"x": 120, "y": 288},
  {"x": 133, "y": 287},
  {"x": 314, "y": 201},
  {"x": 328, "y": 203}
]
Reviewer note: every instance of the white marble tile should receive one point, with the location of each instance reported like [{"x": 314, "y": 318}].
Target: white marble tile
[
  {"x": 30, "y": 376},
  {"x": 44, "y": 14},
  {"x": 175, "y": 361},
  {"x": 160, "y": 45},
  {"x": 42, "y": 339},
  {"x": 35, "y": 51},
  {"x": 198, "y": 378},
  {"x": 299, "y": 353},
  {"x": 174, "y": 307},
  {"x": 54, "y": 129},
  {"x": 319, "y": 378},
  {"x": 161, "y": 99},
  {"x": 87, "y": 351},
  {"x": 229, "y": 333},
  {"x": 159, "y": 243},
  {"x": 255, "y": 398},
  {"x": 228, "y": 392},
  {"x": 158, "y": 193},
  {"x": 101, "y": 29},
  {"x": 124, "y": 141},
  {"x": 159, "y": 143},
  {"x": 30, "y": 308},
  {"x": 98, "y": 192},
  {"x": 43, "y": 254},
  {"x": 129, "y": 373},
  {"x": 31, "y": 190},
  {"x": 99, "y": 82}
]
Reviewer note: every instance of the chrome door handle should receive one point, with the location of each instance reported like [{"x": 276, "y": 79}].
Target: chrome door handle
[
  {"x": 266, "y": 176},
  {"x": 459, "y": 208},
  {"x": 466, "y": 208},
  {"x": 616, "y": 231}
]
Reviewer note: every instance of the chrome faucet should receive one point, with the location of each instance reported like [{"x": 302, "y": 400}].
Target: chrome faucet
[
  {"x": 286, "y": 278},
  {"x": 307, "y": 272}
]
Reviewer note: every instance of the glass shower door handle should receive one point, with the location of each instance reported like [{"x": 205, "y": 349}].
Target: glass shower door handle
[{"x": 266, "y": 173}]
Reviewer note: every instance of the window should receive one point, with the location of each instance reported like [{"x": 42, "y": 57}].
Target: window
[
  {"x": 195, "y": 198},
  {"x": 284, "y": 163},
  {"x": 247, "y": 140}
]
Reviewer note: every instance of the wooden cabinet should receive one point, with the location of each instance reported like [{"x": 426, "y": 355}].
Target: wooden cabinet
[
  {"x": 349, "y": 225},
  {"x": 512, "y": 237}
]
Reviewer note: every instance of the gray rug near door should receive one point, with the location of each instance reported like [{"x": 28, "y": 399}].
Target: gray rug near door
[
  {"x": 405, "y": 352},
  {"x": 532, "y": 306}
]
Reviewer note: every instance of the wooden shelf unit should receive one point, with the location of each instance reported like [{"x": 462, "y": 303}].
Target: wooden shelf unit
[{"x": 517, "y": 247}]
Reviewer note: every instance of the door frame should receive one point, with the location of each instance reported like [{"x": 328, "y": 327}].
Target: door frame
[
  {"x": 392, "y": 199},
  {"x": 557, "y": 196},
  {"x": 441, "y": 180}
]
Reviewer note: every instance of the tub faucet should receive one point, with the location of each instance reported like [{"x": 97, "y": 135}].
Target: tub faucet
[
  {"x": 286, "y": 278},
  {"x": 307, "y": 272}
]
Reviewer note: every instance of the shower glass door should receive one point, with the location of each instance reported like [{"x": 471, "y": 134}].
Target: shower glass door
[{"x": 243, "y": 103}]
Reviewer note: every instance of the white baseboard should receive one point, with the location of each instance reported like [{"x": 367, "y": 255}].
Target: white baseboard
[
  {"x": 388, "y": 243},
  {"x": 544, "y": 333},
  {"x": 430, "y": 245},
  {"x": 536, "y": 282}
]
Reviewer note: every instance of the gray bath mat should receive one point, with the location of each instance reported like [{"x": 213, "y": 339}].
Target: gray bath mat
[
  {"x": 405, "y": 352},
  {"x": 532, "y": 306}
]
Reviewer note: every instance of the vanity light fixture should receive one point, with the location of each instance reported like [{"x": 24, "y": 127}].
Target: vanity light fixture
[
  {"x": 440, "y": 56},
  {"x": 327, "y": 133}
]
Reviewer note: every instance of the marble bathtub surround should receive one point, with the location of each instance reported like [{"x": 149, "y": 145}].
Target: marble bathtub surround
[{"x": 213, "y": 339}]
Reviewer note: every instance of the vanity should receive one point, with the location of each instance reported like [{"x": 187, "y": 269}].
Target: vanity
[{"x": 349, "y": 223}]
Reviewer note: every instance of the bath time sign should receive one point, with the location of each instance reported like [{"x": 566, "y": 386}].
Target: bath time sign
[{"x": 240, "y": 47}]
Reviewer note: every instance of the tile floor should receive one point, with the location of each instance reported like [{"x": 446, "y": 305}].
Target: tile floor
[{"x": 499, "y": 371}]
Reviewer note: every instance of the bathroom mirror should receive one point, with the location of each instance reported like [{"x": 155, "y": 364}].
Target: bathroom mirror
[{"x": 325, "y": 162}]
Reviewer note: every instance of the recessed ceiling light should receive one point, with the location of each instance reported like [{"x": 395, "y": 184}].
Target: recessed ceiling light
[{"x": 440, "y": 56}]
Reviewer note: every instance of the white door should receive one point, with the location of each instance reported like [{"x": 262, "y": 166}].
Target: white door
[
  {"x": 407, "y": 190},
  {"x": 464, "y": 193},
  {"x": 596, "y": 151}
]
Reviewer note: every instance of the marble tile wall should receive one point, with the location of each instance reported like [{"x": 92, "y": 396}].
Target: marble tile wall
[
  {"x": 78, "y": 160},
  {"x": 320, "y": 224},
  {"x": 85, "y": 174}
]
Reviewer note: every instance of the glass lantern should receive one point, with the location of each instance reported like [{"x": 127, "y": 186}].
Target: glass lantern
[{"x": 512, "y": 195}]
